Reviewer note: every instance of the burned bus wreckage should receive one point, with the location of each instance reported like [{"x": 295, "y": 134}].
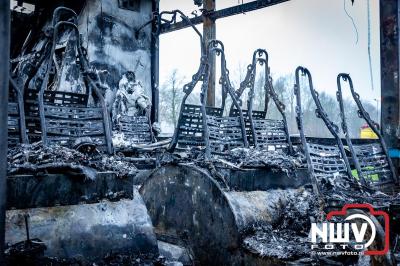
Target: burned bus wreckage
[{"x": 90, "y": 179}]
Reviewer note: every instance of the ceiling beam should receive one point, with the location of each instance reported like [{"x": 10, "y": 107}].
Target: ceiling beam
[{"x": 222, "y": 13}]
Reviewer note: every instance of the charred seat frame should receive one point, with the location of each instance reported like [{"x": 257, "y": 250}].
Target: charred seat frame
[
  {"x": 369, "y": 159},
  {"x": 73, "y": 111},
  {"x": 322, "y": 160},
  {"x": 16, "y": 116},
  {"x": 193, "y": 125},
  {"x": 205, "y": 126},
  {"x": 263, "y": 132}
]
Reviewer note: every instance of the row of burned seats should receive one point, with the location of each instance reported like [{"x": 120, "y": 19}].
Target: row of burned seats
[
  {"x": 64, "y": 117},
  {"x": 218, "y": 131},
  {"x": 240, "y": 126},
  {"x": 364, "y": 165},
  {"x": 45, "y": 113}
]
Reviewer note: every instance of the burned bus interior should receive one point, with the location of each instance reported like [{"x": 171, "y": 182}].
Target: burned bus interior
[{"x": 91, "y": 179}]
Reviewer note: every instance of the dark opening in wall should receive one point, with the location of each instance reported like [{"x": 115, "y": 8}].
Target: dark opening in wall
[{"x": 133, "y": 5}]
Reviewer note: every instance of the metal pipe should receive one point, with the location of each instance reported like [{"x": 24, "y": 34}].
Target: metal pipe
[{"x": 4, "y": 79}]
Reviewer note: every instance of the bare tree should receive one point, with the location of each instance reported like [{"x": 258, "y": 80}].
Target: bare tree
[
  {"x": 314, "y": 126},
  {"x": 259, "y": 92},
  {"x": 171, "y": 97}
]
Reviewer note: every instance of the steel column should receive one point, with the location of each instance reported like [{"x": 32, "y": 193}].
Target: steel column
[
  {"x": 209, "y": 33},
  {"x": 4, "y": 77},
  {"x": 389, "y": 17}
]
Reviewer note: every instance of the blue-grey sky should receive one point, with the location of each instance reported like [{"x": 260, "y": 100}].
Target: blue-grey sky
[{"x": 314, "y": 33}]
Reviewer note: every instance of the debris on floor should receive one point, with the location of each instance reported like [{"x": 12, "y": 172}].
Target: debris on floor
[{"x": 37, "y": 158}]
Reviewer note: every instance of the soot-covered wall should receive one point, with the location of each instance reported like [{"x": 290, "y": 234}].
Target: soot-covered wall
[{"x": 108, "y": 33}]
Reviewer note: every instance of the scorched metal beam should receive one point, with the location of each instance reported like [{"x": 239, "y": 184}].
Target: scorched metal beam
[
  {"x": 209, "y": 33},
  {"x": 4, "y": 70},
  {"x": 390, "y": 92},
  {"x": 226, "y": 12}
]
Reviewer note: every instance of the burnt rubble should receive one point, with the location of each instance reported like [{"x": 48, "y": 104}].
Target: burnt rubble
[
  {"x": 36, "y": 158},
  {"x": 287, "y": 238},
  {"x": 278, "y": 159},
  {"x": 242, "y": 158},
  {"x": 30, "y": 253}
]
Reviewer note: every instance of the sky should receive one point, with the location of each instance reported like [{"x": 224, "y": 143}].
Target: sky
[{"x": 316, "y": 34}]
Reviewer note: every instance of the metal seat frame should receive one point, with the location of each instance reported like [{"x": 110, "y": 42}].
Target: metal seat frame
[
  {"x": 69, "y": 113},
  {"x": 222, "y": 133},
  {"x": 198, "y": 123},
  {"x": 16, "y": 117},
  {"x": 380, "y": 162},
  {"x": 252, "y": 117},
  {"x": 322, "y": 160}
]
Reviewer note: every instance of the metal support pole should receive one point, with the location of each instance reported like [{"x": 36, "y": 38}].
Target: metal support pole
[
  {"x": 155, "y": 65},
  {"x": 390, "y": 90},
  {"x": 209, "y": 33},
  {"x": 4, "y": 75}
]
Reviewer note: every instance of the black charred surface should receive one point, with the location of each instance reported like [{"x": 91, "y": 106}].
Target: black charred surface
[
  {"x": 30, "y": 253},
  {"x": 211, "y": 214},
  {"x": 389, "y": 17},
  {"x": 37, "y": 158},
  {"x": 27, "y": 191},
  {"x": 265, "y": 178},
  {"x": 179, "y": 200}
]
